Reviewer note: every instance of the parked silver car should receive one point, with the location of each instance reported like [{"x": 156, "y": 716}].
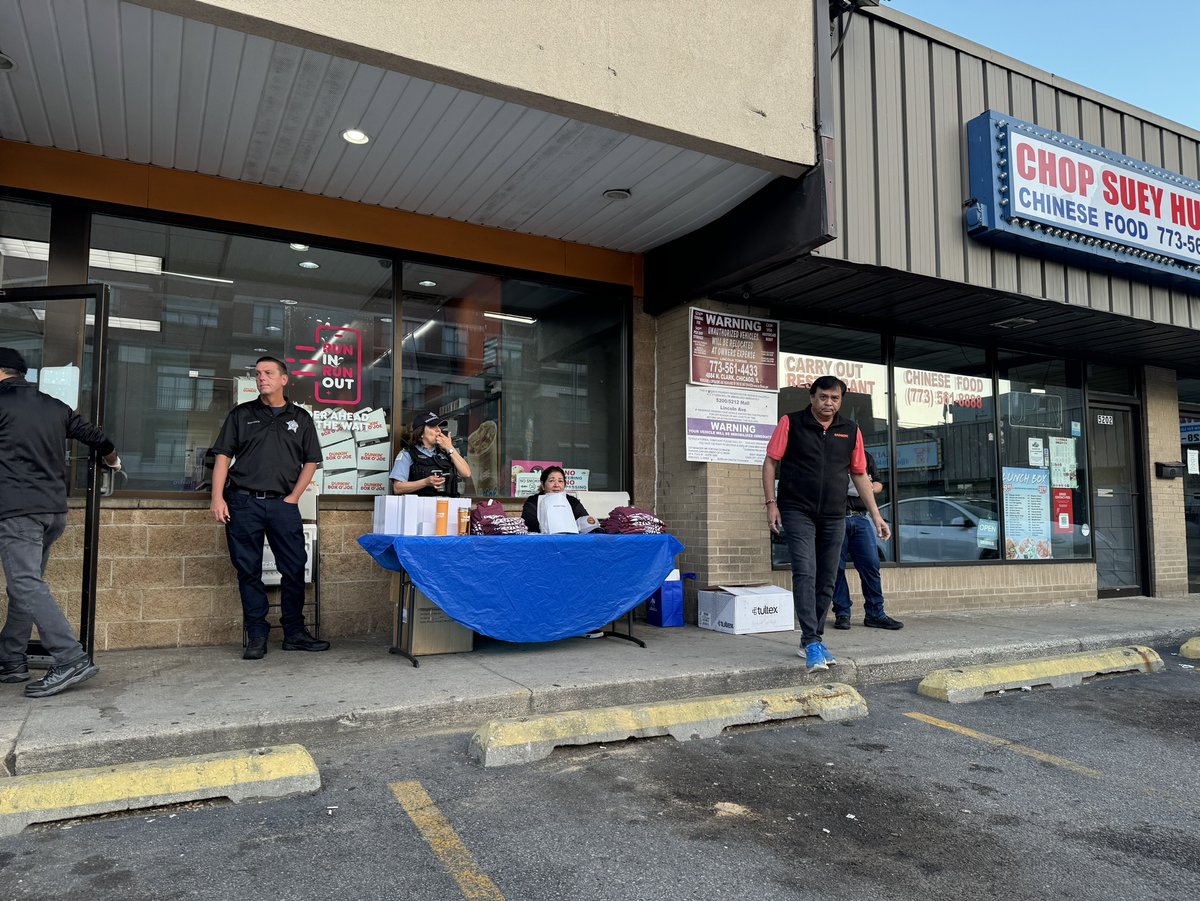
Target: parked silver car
[{"x": 937, "y": 529}]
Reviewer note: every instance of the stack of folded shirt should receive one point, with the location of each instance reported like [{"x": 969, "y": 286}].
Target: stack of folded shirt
[
  {"x": 633, "y": 521},
  {"x": 499, "y": 525}
]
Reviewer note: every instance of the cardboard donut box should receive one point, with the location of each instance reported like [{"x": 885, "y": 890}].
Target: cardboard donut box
[{"x": 745, "y": 609}]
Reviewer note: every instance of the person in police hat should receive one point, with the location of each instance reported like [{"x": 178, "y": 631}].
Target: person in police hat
[
  {"x": 34, "y": 429},
  {"x": 430, "y": 465},
  {"x": 258, "y": 494}
]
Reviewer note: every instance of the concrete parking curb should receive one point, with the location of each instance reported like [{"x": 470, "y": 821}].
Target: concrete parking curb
[
  {"x": 971, "y": 683},
  {"x": 237, "y": 775},
  {"x": 1191, "y": 649},
  {"x": 503, "y": 742}
]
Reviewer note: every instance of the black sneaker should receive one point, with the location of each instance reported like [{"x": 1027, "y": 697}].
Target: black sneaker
[
  {"x": 302, "y": 641},
  {"x": 62, "y": 677},
  {"x": 882, "y": 622},
  {"x": 16, "y": 671},
  {"x": 842, "y": 621},
  {"x": 256, "y": 648}
]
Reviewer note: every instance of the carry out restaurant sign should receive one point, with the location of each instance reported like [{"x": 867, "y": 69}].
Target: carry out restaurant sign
[
  {"x": 1041, "y": 191},
  {"x": 734, "y": 351}
]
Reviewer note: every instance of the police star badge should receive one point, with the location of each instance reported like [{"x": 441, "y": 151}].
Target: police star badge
[{"x": 293, "y": 426}]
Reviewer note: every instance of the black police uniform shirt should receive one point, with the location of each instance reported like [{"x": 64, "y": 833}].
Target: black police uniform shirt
[{"x": 270, "y": 447}]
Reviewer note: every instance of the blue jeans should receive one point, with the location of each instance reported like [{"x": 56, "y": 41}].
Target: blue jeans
[
  {"x": 250, "y": 519},
  {"x": 862, "y": 547},
  {"x": 815, "y": 546},
  {"x": 25, "y": 543}
]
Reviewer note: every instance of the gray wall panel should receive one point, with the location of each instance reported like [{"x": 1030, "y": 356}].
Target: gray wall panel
[
  {"x": 902, "y": 99},
  {"x": 889, "y": 102},
  {"x": 918, "y": 151}
]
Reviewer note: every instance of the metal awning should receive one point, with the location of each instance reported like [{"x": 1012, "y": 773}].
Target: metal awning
[{"x": 878, "y": 299}]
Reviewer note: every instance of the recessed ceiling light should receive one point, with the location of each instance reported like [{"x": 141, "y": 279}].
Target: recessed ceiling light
[
  {"x": 298, "y": 246},
  {"x": 288, "y": 301},
  {"x": 309, "y": 264},
  {"x": 274, "y": 328},
  {"x": 385, "y": 318},
  {"x": 427, "y": 283},
  {"x": 618, "y": 194},
  {"x": 355, "y": 136},
  {"x": 260, "y": 350}
]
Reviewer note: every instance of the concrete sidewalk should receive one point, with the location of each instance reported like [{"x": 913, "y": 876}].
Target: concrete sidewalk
[{"x": 152, "y": 704}]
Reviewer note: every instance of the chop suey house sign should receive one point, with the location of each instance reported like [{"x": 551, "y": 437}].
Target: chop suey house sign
[{"x": 1041, "y": 191}]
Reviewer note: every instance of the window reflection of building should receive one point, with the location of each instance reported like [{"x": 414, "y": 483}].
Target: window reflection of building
[
  {"x": 944, "y": 402},
  {"x": 24, "y": 244},
  {"x": 203, "y": 308},
  {"x": 523, "y": 370}
]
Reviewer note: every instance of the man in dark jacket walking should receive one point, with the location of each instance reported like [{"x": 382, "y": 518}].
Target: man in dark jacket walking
[
  {"x": 34, "y": 430},
  {"x": 811, "y": 453}
]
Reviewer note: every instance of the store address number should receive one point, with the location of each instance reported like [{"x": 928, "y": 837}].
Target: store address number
[{"x": 1104, "y": 419}]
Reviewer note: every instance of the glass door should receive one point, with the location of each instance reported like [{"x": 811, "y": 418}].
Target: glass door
[
  {"x": 1116, "y": 490},
  {"x": 61, "y": 331},
  {"x": 1189, "y": 453}
]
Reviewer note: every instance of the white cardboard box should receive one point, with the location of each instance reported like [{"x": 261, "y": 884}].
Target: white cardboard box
[
  {"x": 374, "y": 457},
  {"x": 372, "y": 483},
  {"x": 411, "y": 515},
  {"x": 744, "y": 609},
  {"x": 389, "y": 512}
]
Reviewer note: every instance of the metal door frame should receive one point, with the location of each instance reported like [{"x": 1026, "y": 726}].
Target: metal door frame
[
  {"x": 99, "y": 294},
  {"x": 1142, "y": 558}
]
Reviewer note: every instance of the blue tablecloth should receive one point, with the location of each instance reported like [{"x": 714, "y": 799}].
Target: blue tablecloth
[{"x": 531, "y": 587}]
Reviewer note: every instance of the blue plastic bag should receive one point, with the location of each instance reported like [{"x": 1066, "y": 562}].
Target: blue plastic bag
[{"x": 665, "y": 606}]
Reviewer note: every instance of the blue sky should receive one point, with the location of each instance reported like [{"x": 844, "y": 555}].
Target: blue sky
[{"x": 1144, "y": 52}]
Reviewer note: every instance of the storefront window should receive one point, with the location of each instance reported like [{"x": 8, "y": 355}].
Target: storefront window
[
  {"x": 527, "y": 373},
  {"x": 191, "y": 312},
  {"x": 810, "y": 351},
  {"x": 946, "y": 457},
  {"x": 1189, "y": 453},
  {"x": 1103, "y": 379},
  {"x": 24, "y": 244},
  {"x": 1043, "y": 460}
]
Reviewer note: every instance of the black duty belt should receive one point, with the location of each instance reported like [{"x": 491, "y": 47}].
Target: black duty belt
[{"x": 261, "y": 495}]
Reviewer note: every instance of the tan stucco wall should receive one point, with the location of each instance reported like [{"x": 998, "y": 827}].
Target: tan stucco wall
[{"x": 731, "y": 79}]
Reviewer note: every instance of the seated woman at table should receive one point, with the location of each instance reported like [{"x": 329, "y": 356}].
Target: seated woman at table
[
  {"x": 430, "y": 466},
  {"x": 554, "y": 481}
]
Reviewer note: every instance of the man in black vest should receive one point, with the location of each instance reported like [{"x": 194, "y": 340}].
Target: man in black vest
[{"x": 811, "y": 453}]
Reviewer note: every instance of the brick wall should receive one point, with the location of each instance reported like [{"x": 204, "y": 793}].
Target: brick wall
[
  {"x": 1167, "y": 535},
  {"x": 928, "y": 589},
  {"x": 164, "y": 578}
]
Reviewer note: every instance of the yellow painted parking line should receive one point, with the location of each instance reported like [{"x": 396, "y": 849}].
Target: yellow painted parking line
[
  {"x": 1009, "y": 745},
  {"x": 444, "y": 841}
]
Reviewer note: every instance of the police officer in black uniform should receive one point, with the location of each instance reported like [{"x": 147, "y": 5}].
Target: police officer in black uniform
[
  {"x": 277, "y": 452},
  {"x": 431, "y": 465}
]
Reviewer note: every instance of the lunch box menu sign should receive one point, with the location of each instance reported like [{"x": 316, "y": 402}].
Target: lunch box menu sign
[{"x": 734, "y": 351}]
